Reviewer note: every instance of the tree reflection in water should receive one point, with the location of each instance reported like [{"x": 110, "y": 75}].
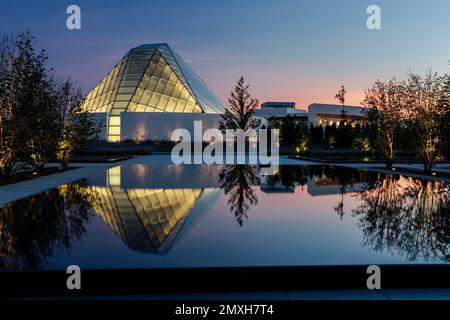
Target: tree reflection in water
[
  {"x": 33, "y": 228},
  {"x": 407, "y": 216},
  {"x": 237, "y": 182}
]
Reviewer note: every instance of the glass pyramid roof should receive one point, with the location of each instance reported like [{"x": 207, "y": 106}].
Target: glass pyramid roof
[{"x": 152, "y": 78}]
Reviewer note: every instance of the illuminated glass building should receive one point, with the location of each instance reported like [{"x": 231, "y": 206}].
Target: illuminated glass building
[{"x": 148, "y": 79}]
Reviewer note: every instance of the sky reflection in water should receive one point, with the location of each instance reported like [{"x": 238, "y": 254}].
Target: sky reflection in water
[{"x": 141, "y": 216}]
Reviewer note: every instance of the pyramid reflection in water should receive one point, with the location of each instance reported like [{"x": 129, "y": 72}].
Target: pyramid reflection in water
[{"x": 149, "y": 216}]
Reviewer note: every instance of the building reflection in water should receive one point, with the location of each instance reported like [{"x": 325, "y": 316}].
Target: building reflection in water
[{"x": 147, "y": 215}]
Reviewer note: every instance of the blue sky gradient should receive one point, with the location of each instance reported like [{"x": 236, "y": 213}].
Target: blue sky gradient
[{"x": 288, "y": 50}]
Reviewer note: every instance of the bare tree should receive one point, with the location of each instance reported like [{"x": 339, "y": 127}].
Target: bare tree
[{"x": 340, "y": 96}]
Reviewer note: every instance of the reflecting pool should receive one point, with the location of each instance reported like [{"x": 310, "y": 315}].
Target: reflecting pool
[{"x": 168, "y": 216}]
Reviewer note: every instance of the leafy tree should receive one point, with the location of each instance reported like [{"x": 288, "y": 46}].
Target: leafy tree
[
  {"x": 9, "y": 89},
  {"x": 25, "y": 102},
  {"x": 239, "y": 114},
  {"x": 77, "y": 127},
  {"x": 289, "y": 131},
  {"x": 316, "y": 134},
  {"x": 330, "y": 135},
  {"x": 384, "y": 112},
  {"x": 344, "y": 136},
  {"x": 38, "y": 116},
  {"x": 427, "y": 102},
  {"x": 445, "y": 123},
  {"x": 40, "y": 105},
  {"x": 303, "y": 143},
  {"x": 28, "y": 126}
]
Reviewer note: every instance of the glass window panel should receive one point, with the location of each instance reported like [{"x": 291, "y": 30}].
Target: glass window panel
[
  {"x": 101, "y": 100},
  {"x": 173, "y": 77},
  {"x": 169, "y": 88},
  {"x": 116, "y": 84},
  {"x": 151, "y": 68},
  {"x": 114, "y": 121},
  {"x": 113, "y": 138},
  {"x": 151, "y": 86},
  {"x": 159, "y": 70},
  {"x": 180, "y": 106},
  {"x": 161, "y": 85},
  {"x": 129, "y": 83},
  {"x": 184, "y": 94},
  {"x": 122, "y": 104},
  {"x": 138, "y": 95},
  {"x": 136, "y": 57},
  {"x": 113, "y": 95},
  {"x": 134, "y": 64},
  {"x": 154, "y": 100},
  {"x": 171, "y": 105},
  {"x": 145, "y": 79},
  {"x": 130, "y": 71},
  {"x": 189, "y": 107},
  {"x": 145, "y": 97},
  {"x": 150, "y": 109},
  {"x": 114, "y": 130},
  {"x": 100, "y": 89},
  {"x": 94, "y": 92},
  {"x": 156, "y": 57},
  {"x": 177, "y": 90},
  {"x": 132, "y": 76},
  {"x": 116, "y": 112},
  {"x": 191, "y": 99},
  {"x": 140, "y": 108},
  {"x": 132, "y": 107},
  {"x": 162, "y": 102},
  {"x": 107, "y": 85},
  {"x": 115, "y": 72},
  {"x": 123, "y": 97},
  {"x": 197, "y": 108},
  {"x": 166, "y": 73},
  {"x": 125, "y": 90}
]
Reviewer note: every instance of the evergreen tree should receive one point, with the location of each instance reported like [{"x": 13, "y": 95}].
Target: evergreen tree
[{"x": 240, "y": 110}]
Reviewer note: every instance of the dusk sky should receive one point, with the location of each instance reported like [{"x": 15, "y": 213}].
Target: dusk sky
[{"x": 293, "y": 50}]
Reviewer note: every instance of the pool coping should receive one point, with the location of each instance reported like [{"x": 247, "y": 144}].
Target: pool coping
[{"x": 108, "y": 282}]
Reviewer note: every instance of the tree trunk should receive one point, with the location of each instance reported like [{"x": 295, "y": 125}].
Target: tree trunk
[
  {"x": 388, "y": 164},
  {"x": 427, "y": 166}
]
